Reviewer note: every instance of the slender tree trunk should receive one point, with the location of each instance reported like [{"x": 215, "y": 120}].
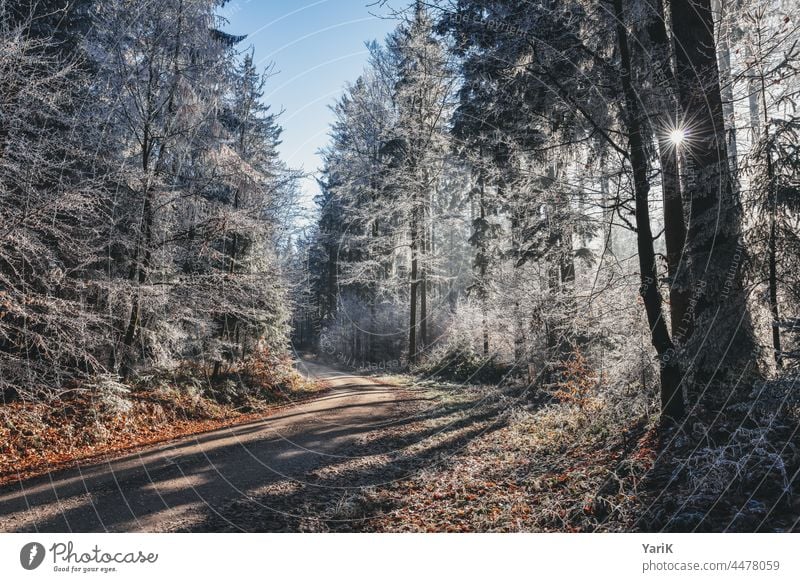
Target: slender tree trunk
[
  {"x": 567, "y": 285},
  {"x": 140, "y": 267},
  {"x": 554, "y": 287},
  {"x": 726, "y": 83},
  {"x": 752, "y": 97},
  {"x": 674, "y": 221},
  {"x": 772, "y": 240},
  {"x": 608, "y": 216},
  {"x": 672, "y": 405},
  {"x": 482, "y": 251},
  {"x": 330, "y": 308},
  {"x": 423, "y": 282},
  {"x": 675, "y": 239},
  {"x": 773, "y": 288},
  {"x": 552, "y": 268},
  {"x": 412, "y": 324},
  {"x": 519, "y": 325}
]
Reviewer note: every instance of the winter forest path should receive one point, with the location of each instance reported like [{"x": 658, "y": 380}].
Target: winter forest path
[{"x": 182, "y": 484}]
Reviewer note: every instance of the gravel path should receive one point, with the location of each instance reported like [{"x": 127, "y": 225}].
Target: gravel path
[{"x": 182, "y": 485}]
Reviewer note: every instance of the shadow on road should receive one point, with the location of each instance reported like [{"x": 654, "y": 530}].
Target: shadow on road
[{"x": 272, "y": 475}]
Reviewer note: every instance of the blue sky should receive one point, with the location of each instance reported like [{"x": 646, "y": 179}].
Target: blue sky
[{"x": 317, "y": 47}]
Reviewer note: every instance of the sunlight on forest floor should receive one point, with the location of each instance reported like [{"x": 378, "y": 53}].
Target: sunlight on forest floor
[
  {"x": 483, "y": 459},
  {"x": 465, "y": 459}
]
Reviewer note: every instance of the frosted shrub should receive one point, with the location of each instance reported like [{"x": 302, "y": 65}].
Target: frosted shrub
[
  {"x": 110, "y": 394},
  {"x": 741, "y": 465}
]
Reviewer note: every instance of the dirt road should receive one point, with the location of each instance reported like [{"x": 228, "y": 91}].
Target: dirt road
[{"x": 175, "y": 486}]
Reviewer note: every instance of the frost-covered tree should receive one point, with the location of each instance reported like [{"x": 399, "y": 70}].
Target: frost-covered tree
[
  {"x": 772, "y": 165},
  {"x": 145, "y": 210},
  {"x": 49, "y": 210},
  {"x": 382, "y": 196},
  {"x": 417, "y": 147}
]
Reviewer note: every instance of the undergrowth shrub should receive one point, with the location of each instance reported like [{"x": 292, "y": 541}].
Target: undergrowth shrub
[
  {"x": 262, "y": 376},
  {"x": 736, "y": 471},
  {"x": 459, "y": 362},
  {"x": 110, "y": 395},
  {"x": 578, "y": 382}
]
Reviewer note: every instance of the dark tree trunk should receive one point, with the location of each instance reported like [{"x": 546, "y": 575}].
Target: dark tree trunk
[
  {"x": 482, "y": 252},
  {"x": 773, "y": 288},
  {"x": 772, "y": 239},
  {"x": 519, "y": 324},
  {"x": 674, "y": 221},
  {"x": 608, "y": 216},
  {"x": 561, "y": 276},
  {"x": 714, "y": 233},
  {"x": 567, "y": 285},
  {"x": 141, "y": 266},
  {"x": 724, "y": 34},
  {"x": 672, "y": 405},
  {"x": 330, "y": 308},
  {"x": 675, "y": 239},
  {"x": 423, "y": 287}
]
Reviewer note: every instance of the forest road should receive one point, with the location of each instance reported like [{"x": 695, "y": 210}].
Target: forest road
[{"x": 174, "y": 486}]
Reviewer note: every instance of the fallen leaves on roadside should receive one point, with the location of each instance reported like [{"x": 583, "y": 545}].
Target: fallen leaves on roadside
[{"x": 36, "y": 438}]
